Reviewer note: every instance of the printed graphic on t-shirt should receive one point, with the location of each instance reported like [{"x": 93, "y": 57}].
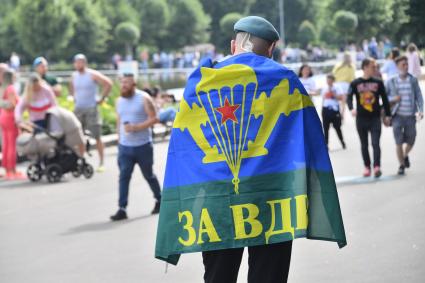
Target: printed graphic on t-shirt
[
  {"x": 367, "y": 99},
  {"x": 329, "y": 94}
]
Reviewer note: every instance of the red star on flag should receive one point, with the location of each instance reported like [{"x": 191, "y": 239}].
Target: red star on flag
[{"x": 227, "y": 111}]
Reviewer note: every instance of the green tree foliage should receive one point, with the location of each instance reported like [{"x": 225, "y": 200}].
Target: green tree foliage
[
  {"x": 295, "y": 12},
  {"x": 226, "y": 26},
  {"x": 9, "y": 41},
  {"x": 307, "y": 33},
  {"x": 58, "y": 29},
  {"x": 373, "y": 16},
  {"x": 414, "y": 28},
  {"x": 346, "y": 23},
  {"x": 44, "y": 26},
  {"x": 189, "y": 24},
  {"x": 91, "y": 30},
  {"x": 217, "y": 9},
  {"x": 127, "y": 33},
  {"x": 329, "y": 35},
  {"x": 154, "y": 17},
  {"x": 116, "y": 12}
]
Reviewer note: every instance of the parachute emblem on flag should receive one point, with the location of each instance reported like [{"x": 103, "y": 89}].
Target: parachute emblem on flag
[{"x": 228, "y": 118}]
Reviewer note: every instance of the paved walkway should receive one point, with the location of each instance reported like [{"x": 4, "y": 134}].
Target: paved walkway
[{"x": 61, "y": 232}]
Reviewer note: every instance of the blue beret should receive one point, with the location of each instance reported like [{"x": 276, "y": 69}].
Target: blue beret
[{"x": 258, "y": 27}]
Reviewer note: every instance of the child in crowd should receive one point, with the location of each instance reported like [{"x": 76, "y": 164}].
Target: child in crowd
[{"x": 331, "y": 109}]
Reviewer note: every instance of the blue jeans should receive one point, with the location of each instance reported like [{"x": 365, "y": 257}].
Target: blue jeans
[
  {"x": 128, "y": 156},
  {"x": 167, "y": 115}
]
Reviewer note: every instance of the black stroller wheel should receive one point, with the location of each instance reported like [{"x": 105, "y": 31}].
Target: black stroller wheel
[
  {"x": 53, "y": 173},
  {"x": 76, "y": 173},
  {"x": 88, "y": 171},
  {"x": 34, "y": 172}
]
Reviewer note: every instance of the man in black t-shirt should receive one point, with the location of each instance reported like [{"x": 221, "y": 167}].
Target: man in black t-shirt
[{"x": 368, "y": 92}]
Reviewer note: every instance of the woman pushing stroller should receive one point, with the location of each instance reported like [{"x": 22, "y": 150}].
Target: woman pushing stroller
[
  {"x": 37, "y": 99},
  {"x": 56, "y": 145}
]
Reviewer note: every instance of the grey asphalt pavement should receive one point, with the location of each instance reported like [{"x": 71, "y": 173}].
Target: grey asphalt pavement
[{"x": 62, "y": 233}]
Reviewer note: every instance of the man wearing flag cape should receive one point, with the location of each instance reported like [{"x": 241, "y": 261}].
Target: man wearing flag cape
[{"x": 247, "y": 165}]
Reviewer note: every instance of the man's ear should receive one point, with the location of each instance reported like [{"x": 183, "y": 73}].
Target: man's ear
[
  {"x": 271, "y": 48},
  {"x": 233, "y": 46}
]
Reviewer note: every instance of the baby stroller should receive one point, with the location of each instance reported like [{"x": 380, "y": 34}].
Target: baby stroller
[{"x": 52, "y": 150}]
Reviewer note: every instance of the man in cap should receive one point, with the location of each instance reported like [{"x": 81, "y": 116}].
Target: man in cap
[
  {"x": 41, "y": 66},
  {"x": 84, "y": 87},
  {"x": 267, "y": 263}
]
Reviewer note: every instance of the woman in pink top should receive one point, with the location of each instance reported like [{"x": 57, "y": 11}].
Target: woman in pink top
[
  {"x": 414, "y": 60},
  {"x": 9, "y": 99},
  {"x": 38, "y": 98}
]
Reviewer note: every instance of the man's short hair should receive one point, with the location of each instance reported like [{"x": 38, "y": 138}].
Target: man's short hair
[
  {"x": 331, "y": 77},
  {"x": 80, "y": 56},
  {"x": 400, "y": 59},
  {"x": 252, "y": 43},
  {"x": 128, "y": 75},
  {"x": 367, "y": 61}
]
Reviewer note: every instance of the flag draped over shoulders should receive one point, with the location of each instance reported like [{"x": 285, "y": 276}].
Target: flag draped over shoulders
[{"x": 247, "y": 163}]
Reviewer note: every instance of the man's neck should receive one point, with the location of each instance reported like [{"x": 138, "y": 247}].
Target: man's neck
[
  {"x": 131, "y": 94},
  {"x": 366, "y": 77},
  {"x": 403, "y": 76}
]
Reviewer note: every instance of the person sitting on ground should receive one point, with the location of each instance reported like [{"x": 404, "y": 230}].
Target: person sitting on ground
[{"x": 166, "y": 114}]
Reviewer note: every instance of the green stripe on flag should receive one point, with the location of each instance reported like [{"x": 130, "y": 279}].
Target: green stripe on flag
[{"x": 269, "y": 209}]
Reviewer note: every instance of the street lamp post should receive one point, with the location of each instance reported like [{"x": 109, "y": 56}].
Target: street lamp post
[{"x": 281, "y": 22}]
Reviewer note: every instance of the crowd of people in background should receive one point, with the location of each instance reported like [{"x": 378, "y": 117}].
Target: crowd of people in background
[
  {"x": 389, "y": 95},
  {"x": 395, "y": 84}
]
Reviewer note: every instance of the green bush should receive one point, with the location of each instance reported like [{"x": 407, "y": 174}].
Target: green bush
[
  {"x": 345, "y": 22},
  {"x": 307, "y": 33}
]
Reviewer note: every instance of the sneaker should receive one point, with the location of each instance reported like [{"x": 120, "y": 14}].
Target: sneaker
[
  {"x": 407, "y": 162},
  {"x": 19, "y": 176},
  {"x": 120, "y": 215},
  {"x": 366, "y": 172},
  {"x": 156, "y": 208},
  {"x": 400, "y": 170},
  {"x": 343, "y": 145},
  {"x": 100, "y": 169},
  {"x": 377, "y": 171},
  {"x": 10, "y": 176}
]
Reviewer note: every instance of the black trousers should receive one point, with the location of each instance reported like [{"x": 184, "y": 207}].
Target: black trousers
[
  {"x": 330, "y": 116},
  {"x": 372, "y": 126},
  {"x": 267, "y": 264}
]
